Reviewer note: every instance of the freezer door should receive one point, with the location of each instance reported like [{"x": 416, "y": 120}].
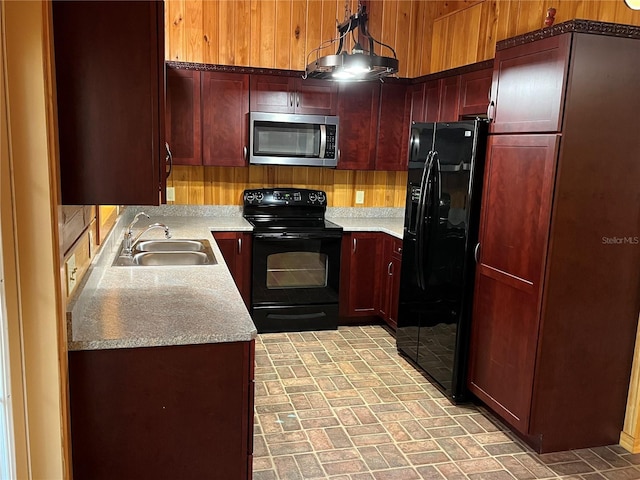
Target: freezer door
[{"x": 439, "y": 314}]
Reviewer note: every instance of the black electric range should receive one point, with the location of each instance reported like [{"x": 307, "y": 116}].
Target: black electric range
[{"x": 296, "y": 260}]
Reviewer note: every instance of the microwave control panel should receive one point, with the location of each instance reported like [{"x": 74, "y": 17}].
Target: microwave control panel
[{"x": 330, "y": 149}]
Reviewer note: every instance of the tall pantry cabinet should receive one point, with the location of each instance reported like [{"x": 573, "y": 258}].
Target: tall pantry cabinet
[{"x": 557, "y": 285}]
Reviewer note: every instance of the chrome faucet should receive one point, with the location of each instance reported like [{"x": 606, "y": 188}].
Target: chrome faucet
[{"x": 130, "y": 241}]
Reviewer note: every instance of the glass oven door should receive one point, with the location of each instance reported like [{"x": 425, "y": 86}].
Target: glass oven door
[{"x": 299, "y": 269}]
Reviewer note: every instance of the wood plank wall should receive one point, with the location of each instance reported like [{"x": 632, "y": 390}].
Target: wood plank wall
[
  {"x": 470, "y": 35},
  {"x": 428, "y": 36},
  {"x": 224, "y": 185}
]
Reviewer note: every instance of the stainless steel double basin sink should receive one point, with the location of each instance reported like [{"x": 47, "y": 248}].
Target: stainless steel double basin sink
[{"x": 157, "y": 253}]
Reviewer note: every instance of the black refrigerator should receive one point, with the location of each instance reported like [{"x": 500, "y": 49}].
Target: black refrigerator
[{"x": 440, "y": 235}]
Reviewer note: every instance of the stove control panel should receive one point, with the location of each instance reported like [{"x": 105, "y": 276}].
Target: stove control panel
[{"x": 285, "y": 196}]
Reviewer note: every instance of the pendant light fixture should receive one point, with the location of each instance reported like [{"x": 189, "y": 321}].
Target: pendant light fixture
[
  {"x": 360, "y": 64},
  {"x": 633, "y": 4}
]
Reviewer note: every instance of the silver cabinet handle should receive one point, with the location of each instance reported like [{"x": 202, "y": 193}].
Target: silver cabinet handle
[
  {"x": 354, "y": 245},
  {"x": 244, "y": 153},
  {"x": 297, "y": 100},
  {"x": 476, "y": 251},
  {"x": 240, "y": 246},
  {"x": 490, "y": 110},
  {"x": 291, "y": 99},
  {"x": 390, "y": 269},
  {"x": 168, "y": 158}
]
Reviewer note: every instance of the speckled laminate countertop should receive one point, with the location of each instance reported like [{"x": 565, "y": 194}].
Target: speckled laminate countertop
[
  {"x": 393, "y": 226},
  {"x": 127, "y": 307}
]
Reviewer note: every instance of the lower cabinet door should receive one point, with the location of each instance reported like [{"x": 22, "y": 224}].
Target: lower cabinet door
[
  {"x": 359, "y": 274},
  {"x": 236, "y": 250}
]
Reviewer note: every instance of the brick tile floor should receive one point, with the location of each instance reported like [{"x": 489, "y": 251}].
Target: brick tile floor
[{"x": 343, "y": 405}]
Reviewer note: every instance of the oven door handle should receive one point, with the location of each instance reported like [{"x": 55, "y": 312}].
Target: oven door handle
[{"x": 297, "y": 236}]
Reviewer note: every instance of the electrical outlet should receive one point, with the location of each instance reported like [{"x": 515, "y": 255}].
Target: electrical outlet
[
  {"x": 359, "y": 196},
  {"x": 72, "y": 273},
  {"x": 171, "y": 194}
]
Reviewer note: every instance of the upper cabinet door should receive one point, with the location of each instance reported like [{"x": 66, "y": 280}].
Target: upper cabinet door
[
  {"x": 110, "y": 97},
  {"x": 316, "y": 97},
  {"x": 431, "y": 109},
  {"x": 358, "y": 112},
  {"x": 475, "y": 89},
  {"x": 182, "y": 120},
  {"x": 393, "y": 127},
  {"x": 225, "y": 99},
  {"x": 416, "y": 96},
  {"x": 449, "y": 95},
  {"x": 529, "y": 86},
  {"x": 275, "y": 94},
  {"x": 271, "y": 93}
]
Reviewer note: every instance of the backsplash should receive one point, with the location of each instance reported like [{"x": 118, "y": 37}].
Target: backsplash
[{"x": 224, "y": 185}]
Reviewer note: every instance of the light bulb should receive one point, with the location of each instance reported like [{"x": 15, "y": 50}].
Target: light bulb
[
  {"x": 342, "y": 74},
  {"x": 633, "y": 4}
]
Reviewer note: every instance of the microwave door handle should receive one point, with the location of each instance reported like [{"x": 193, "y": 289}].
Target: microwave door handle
[{"x": 323, "y": 140}]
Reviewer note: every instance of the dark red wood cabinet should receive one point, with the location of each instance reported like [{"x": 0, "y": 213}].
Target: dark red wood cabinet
[
  {"x": 475, "y": 90},
  {"x": 431, "y": 106},
  {"x": 225, "y": 122},
  {"x": 436, "y": 100},
  {"x": 358, "y": 105},
  {"x": 513, "y": 243},
  {"x": 110, "y": 101},
  {"x": 416, "y": 94},
  {"x": 163, "y": 412},
  {"x": 183, "y": 122},
  {"x": 282, "y": 94},
  {"x": 392, "y": 150},
  {"x": 236, "y": 250},
  {"x": 529, "y": 87},
  {"x": 390, "y": 280},
  {"x": 557, "y": 291},
  {"x": 359, "y": 274},
  {"x": 449, "y": 99}
]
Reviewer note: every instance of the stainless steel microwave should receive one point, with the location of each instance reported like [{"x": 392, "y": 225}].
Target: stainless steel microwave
[{"x": 295, "y": 140}]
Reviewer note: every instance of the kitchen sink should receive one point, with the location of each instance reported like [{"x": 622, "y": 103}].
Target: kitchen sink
[
  {"x": 171, "y": 245},
  {"x": 158, "y": 253}
]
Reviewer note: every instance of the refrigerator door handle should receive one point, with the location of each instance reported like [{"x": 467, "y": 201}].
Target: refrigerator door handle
[
  {"x": 415, "y": 145},
  {"x": 437, "y": 179},
  {"x": 425, "y": 194}
]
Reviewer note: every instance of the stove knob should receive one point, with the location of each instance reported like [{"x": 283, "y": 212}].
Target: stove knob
[
  {"x": 321, "y": 197},
  {"x": 259, "y": 196},
  {"x": 312, "y": 197},
  {"x": 250, "y": 197}
]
